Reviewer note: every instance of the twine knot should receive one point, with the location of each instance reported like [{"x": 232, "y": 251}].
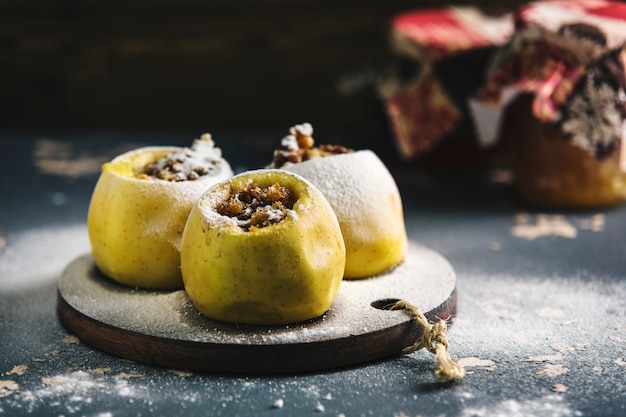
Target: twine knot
[{"x": 434, "y": 340}]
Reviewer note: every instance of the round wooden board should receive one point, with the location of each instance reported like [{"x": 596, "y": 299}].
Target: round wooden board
[{"x": 163, "y": 328}]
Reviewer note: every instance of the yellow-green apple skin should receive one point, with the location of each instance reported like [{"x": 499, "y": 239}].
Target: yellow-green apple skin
[
  {"x": 135, "y": 224},
  {"x": 367, "y": 202},
  {"x": 282, "y": 273}
]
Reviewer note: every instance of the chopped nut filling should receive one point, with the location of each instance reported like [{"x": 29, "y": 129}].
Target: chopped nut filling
[
  {"x": 298, "y": 147},
  {"x": 255, "y": 207},
  {"x": 188, "y": 164}
]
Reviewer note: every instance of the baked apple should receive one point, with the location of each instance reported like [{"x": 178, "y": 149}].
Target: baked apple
[
  {"x": 361, "y": 191},
  {"x": 262, "y": 248},
  {"x": 139, "y": 208}
]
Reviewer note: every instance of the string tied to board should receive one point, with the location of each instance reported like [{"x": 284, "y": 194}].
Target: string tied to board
[{"x": 434, "y": 340}]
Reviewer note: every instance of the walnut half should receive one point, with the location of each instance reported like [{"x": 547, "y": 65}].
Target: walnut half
[
  {"x": 298, "y": 146},
  {"x": 255, "y": 207}
]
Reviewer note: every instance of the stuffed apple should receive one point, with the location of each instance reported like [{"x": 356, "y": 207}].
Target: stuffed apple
[
  {"x": 262, "y": 248},
  {"x": 361, "y": 191},
  {"x": 139, "y": 208}
]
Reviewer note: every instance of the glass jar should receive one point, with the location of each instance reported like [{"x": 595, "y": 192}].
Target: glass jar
[{"x": 551, "y": 171}]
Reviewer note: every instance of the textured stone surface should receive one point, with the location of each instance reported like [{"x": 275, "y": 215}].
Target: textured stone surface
[{"x": 539, "y": 324}]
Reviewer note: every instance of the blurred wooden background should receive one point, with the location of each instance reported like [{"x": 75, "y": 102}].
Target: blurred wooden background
[{"x": 196, "y": 64}]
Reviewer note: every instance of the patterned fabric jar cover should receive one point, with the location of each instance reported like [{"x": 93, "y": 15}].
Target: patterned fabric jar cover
[
  {"x": 570, "y": 55},
  {"x": 423, "y": 107}
]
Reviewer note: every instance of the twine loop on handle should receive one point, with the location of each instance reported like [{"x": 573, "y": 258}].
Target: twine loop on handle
[{"x": 434, "y": 340}]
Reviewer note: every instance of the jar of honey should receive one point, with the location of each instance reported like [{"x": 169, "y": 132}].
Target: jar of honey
[
  {"x": 561, "y": 85},
  {"x": 552, "y": 171}
]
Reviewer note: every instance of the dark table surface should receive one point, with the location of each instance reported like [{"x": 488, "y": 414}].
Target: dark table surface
[{"x": 540, "y": 324}]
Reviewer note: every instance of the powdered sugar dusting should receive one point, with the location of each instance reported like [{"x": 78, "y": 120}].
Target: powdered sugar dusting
[
  {"x": 203, "y": 158},
  {"x": 183, "y": 190},
  {"x": 73, "y": 391},
  {"x": 17, "y": 268},
  {"x": 209, "y": 203},
  {"x": 81, "y": 392},
  {"x": 360, "y": 190},
  {"x": 544, "y": 225},
  {"x": 547, "y": 406}
]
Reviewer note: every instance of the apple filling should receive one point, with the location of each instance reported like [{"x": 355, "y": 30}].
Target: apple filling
[
  {"x": 298, "y": 146},
  {"x": 255, "y": 207},
  {"x": 187, "y": 164}
]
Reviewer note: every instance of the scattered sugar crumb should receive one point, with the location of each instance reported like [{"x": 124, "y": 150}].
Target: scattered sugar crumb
[
  {"x": 597, "y": 369},
  {"x": 76, "y": 366},
  {"x": 278, "y": 403},
  {"x": 52, "y": 381},
  {"x": 551, "y": 405},
  {"x": 125, "y": 375},
  {"x": 18, "y": 370},
  {"x": 552, "y": 370},
  {"x": 561, "y": 347},
  {"x": 471, "y": 361},
  {"x": 51, "y": 352},
  {"x": 595, "y": 223},
  {"x": 180, "y": 372},
  {"x": 544, "y": 225},
  {"x": 70, "y": 339},
  {"x": 8, "y": 387},
  {"x": 495, "y": 246},
  {"x": 621, "y": 362},
  {"x": 545, "y": 358},
  {"x": 560, "y": 388},
  {"x": 99, "y": 371},
  {"x": 550, "y": 313},
  {"x": 328, "y": 396},
  {"x": 319, "y": 408},
  {"x": 499, "y": 307},
  {"x": 526, "y": 336}
]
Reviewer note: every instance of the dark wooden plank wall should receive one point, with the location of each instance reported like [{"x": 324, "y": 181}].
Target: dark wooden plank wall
[{"x": 192, "y": 63}]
